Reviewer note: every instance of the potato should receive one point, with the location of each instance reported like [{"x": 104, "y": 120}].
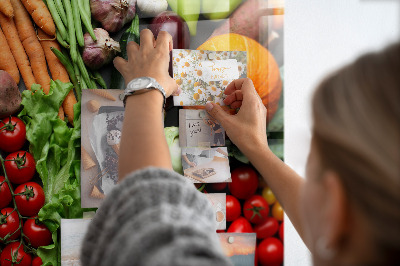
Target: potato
[{"x": 10, "y": 97}]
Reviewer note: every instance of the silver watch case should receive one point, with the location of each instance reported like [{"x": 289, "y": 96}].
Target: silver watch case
[{"x": 141, "y": 84}]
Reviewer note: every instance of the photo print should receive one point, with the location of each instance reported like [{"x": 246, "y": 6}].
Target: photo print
[
  {"x": 72, "y": 234},
  {"x": 240, "y": 248},
  {"x": 218, "y": 202},
  {"x": 206, "y": 165}
]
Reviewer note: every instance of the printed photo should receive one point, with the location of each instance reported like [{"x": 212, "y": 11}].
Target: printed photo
[
  {"x": 72, "y": 234},
  {"x": 239, "y": 247},
  {"x": 198, "y": 129},
  {"x": 218, "y": 201},
  {"x": 206, "y": 165}
]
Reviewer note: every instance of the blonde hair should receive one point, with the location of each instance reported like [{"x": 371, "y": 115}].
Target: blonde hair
[{"x": 356, "y": 130}]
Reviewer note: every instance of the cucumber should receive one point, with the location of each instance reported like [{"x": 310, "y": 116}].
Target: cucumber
[{"x": 131, "y": 34}]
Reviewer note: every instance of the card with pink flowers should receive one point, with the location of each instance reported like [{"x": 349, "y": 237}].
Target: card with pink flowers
[{"x": 203, "y": 75}]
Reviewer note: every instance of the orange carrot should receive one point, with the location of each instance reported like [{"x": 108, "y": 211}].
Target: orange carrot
[
  {"x": 29, "y": 40},
  {"x": 15, "y": 44},
  {"x": 41, "y": 15},
  {"x": 57, "y": 71},
  {"x": 61, "y": 113},
  {"x": 7, "y": 61},
  {"x": 6, "y": 8}
]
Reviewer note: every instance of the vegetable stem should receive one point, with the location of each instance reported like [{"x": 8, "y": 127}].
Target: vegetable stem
[{"x": 97, "y": 77}]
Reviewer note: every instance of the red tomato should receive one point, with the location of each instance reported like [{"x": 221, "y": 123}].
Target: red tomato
[
  {"x": 31, "y": 201},
  {"x": 244, "y": 182},
  {"x": 270, "y": 252},
  {"x": 12, "y": 134},
  {"x": 256, "y": 209},
  {"x": 20, "y": 167},
  {"x": 267, "y": 228},
  {"x": 281, "y": 229},
  {"x": 277, "y": 211},
  {"x": 9, "y": 223},
  {"x": 220, "y": 231},
  {"x": 233, "y": 208},
  {"x": 218, "y": 186},
  {"x": 5, "y": 193},
  {"x": 37, "y": 261},
  {"x": 268, "y": 195},
  {"x": 20, "y": 257},
  {"x": 240, "y": 225},
  {"x": 37, "y": 233}
]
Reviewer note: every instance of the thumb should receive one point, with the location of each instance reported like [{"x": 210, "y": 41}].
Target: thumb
[{"x": 218, "y": 113}]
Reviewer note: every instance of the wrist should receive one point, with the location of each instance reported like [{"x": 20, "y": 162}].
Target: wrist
[{"x": 147, "y": 99}]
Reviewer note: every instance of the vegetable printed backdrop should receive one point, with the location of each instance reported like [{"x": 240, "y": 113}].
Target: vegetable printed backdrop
[{"x": 69, "y": 38}]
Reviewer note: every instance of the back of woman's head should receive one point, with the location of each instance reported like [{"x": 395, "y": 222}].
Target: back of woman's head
[{"x": 356, "y": 115}]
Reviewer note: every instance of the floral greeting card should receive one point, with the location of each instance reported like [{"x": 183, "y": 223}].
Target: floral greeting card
[{"x": 204, "y": 75}]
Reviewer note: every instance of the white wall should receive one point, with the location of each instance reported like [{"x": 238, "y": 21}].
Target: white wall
[{"x": 321, "y": 36}]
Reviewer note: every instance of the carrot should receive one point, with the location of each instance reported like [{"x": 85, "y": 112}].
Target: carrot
[
  {"x": 7, "y": 61},
  {"x": 41, "y": 15},
  {"x": 57, "y": 71},
  {"x": 6, "y": 8},
  {"x": 61, "y": 113},
  {"x": 29, "y": 40},
  {"x": 15, "y": 44}
]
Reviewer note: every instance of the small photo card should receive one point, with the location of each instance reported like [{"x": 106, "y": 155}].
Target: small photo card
[
  {"x": 203, "y": 75},
  {"x": 206, "y": 165},
  {"x": 72, "y": 233},
  {"x": 198, "y": 129},
  {"x": 240, "y": 248},
  {"x": 218, "y": 201}
]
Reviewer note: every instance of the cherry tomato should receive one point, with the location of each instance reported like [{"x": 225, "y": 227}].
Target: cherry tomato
[
  {"x": 277, "y": 211},
  {"x": 281, "y": 229},
  {"x": 233, "y": 208},
  {"x": 9, "y": 224},
  {"x": 37, "y": 261},
  {"x": 268, "y": 195},
  {"x": 20, "y": 167},
  {"x": 32, "y": 201},
  {"x": 270, "y": 252},
  {"x": 267, "y": 228},
  {"x": 256, "y": 209},
  {"x": 240, "y": 225},
  {"x": 12, "y": 134},
  {"x": 5, "y": 193},
  {"x": 244, "y": 182},
  {"x": 20, "y": 257},
  {"x": 218, "y": 186},
  {"x": 220, "y": 231},
  {"x": 37, "y": 233}
]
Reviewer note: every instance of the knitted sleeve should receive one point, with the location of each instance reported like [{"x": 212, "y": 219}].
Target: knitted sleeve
[{"x": 153, "y": 217}]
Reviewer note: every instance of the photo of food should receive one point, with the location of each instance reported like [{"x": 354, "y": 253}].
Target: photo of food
[
  {"x": 239, "y": 247},
  {"x": 218, "y": 202}
]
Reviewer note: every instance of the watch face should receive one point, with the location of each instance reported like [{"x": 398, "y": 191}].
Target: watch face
[{"x": 140, "y": 83}]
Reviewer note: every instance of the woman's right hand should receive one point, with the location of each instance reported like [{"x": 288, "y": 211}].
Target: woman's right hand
[{"x": 247, "y": 129}]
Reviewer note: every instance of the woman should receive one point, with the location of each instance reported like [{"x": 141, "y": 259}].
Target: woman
[{"x": 347, "y": 210}]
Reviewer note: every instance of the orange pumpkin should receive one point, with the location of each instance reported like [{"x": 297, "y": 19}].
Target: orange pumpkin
[{"x": 262, "y": 68}]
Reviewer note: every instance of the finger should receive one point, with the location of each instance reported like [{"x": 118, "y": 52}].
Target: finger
[
  {"x": 132, "y": 49},
  {"x": 236, "y": 105},
  {"x": 147, "y": 40},
  {"x": 245, "y": 85},
  {"x": 218, "y": 113},
  {"x": 177, "y": 92},
  {"x": 164, "y": 41},
  {"x": 235, "y": 96},
  {"x": 119, "y": 63}
]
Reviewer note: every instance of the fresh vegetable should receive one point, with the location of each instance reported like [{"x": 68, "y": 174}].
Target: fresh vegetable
[
  {"x": 5, "y": 193},
  {"x": 277, "y": 211},
  {"x": 78, "y": 23},
  {"x": 12, "y": 134},
  {"x": 99, "y": 53},
  {"x": 281, "y": 230},
  {"x": 189, "y": 10},
  {"x": 61, "y": 30},
  {"x": 170, "y": 22},
  {"x": 37, "y": 261},
  {"x": 61, "y": 11},
  {"x": 9, "y": 225},
  {"x": 17, "y": 49},
  {"x": 212, "y": 9},
  {"x": 41, "y": 15},
  {"x": 6, "y": 8},
  {"x": 37, "y": 234},
  {"x": 172, "y": 137},
  {"x": 10, "y": 97},
  {"x": 218, "y": 186},
  {"x": 113, "y": 14},
  {"x": 132, "y": 34},
  {"x": 30, "y": 198},
  {"x": 7, "y": 61},
  {"x": 233, "y": 208},
  {"x": 244, "y": 182},
  {"x": 256, "y": 209},
  {"x": 85, "y": 15},
  {"x": 20, "y": 167},
  {"x": 14, "y": 254},
  {"x": 99, "y": 79},
  {"x": 68, "y": 66},
  {"x": 270, "y": 252},
  {"x": 268, "y": 195},
  {"x": 152, "y": 7},
  {"x": 240, "y": 225},
  {"x": 267, "y": 228},
  {"x": 71, "y": 31}
]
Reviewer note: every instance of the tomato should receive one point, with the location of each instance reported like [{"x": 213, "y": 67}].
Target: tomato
[
  {"x": 277, "y": 211},
  {"x": 233, "y": 208},
  {"x": 37, "y": 233},
  {"x": 5, "y": 193},
  {"x": 281, "y": 229},
  {"x": 240, "y": 225},
  {"x": 9, "y": 224},
  {"x": 256, "y": 209},
  {"x": 268, "y": 195},
  {"x": 244, "y": 182},
  {"x": 20, "y": 167},
  {"x": 37, "y": 261},
  {"x": 31, "y": 201},
  {"x": 270, "y": 252},
  {"x": 12, "y": 134},
  {"x": 267, "y": 228},
  {"x": 220, "y": 231},
  {"x": 218, "y": 186},
  {"x": 20, "y": 257}
]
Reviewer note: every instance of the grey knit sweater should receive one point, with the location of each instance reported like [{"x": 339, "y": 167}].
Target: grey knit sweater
[{"x": 153, "y": 217}]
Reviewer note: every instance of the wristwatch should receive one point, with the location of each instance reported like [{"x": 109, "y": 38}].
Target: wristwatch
[{"x": 141, "y": 85}]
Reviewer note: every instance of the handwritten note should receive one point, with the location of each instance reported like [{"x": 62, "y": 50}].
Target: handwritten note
[{"x": 220, "y": 70}]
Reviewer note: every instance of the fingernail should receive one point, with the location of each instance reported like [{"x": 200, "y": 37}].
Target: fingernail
[
  {"x": 179, "y": 90},
  {"x": 209, "y": 106}
]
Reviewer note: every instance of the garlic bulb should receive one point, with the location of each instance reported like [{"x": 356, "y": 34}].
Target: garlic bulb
[{"x": 152, "y": 7}]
